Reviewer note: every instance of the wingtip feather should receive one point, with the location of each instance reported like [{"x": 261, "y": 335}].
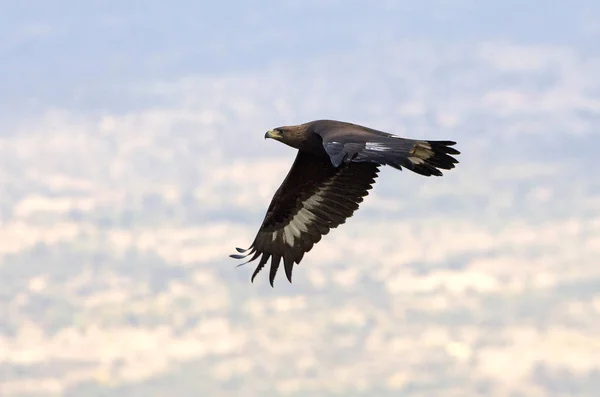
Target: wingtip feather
[
  {"x": 275, "y": 260},
  {"x": 288, "y": 265}
]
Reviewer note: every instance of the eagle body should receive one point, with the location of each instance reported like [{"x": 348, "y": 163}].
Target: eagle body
[{"x": 335, "y": 167}]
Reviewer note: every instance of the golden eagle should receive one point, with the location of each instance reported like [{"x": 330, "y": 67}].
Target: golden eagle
[{"x": 336, "y": 165}]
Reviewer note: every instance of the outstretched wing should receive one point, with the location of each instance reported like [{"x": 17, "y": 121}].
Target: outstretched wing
[
  {"x": 314, "y": 198},
  {"x": 345, "y": 142}
]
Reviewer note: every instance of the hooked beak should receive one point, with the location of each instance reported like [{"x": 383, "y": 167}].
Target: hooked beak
[{"x": 271, "y": 134}]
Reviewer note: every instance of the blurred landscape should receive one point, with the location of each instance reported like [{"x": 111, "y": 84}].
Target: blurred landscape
[{"x": 132, "y": 162}]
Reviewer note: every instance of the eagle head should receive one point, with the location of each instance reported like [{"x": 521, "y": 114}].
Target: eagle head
[
  {"x": 290, "y": 135},
  {"x": 300, "y": 137}
]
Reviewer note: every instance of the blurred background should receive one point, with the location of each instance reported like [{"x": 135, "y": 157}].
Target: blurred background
[{"x": 132, "y": 162}]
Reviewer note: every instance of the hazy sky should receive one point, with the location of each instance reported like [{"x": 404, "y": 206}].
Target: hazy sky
[
  {"x": 85, "y": 54},
  {"x": 132, "y": 162}
]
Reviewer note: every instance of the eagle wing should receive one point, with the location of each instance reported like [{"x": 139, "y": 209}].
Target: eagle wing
[
  {"x": 345, "y": 142},
  {"x": 315, "y": 197}
]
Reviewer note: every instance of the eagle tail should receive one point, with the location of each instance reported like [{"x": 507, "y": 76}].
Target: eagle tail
[{"x": 428, "y": 157}]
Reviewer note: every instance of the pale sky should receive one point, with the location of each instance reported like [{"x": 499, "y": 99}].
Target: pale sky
[{"x": 133, "y": 162}]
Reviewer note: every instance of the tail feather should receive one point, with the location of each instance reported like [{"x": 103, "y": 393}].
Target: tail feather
[{"x": 428, "y": 157}]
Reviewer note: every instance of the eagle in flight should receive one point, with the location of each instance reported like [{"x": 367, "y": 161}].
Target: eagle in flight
[{"x": 336, "y": 165}]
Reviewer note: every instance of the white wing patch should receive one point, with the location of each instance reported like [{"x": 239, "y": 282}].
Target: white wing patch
[
  {"x": 299, "y": 223},
  {"x": 416, "y": 160},
  {"x": 376, "y": 146},
  {"x": 420, "y": 152}
]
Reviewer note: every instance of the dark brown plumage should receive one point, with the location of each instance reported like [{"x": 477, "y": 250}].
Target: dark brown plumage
[{"x": 335, "y": 167}]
